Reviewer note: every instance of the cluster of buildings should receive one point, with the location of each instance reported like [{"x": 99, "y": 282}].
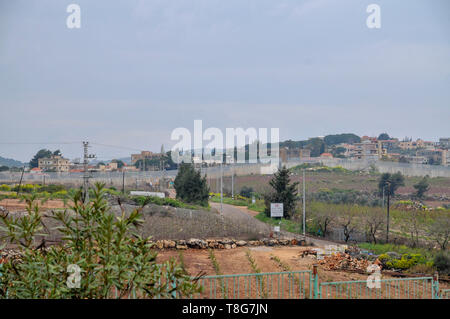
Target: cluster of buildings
[
  {"x": 372, "y": 149},
  {"x": 57, "y": 163},
  {"x": 368, "y": 148}
]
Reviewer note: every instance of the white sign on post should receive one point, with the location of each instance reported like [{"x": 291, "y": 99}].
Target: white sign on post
[{"x": 276, "y": 209}]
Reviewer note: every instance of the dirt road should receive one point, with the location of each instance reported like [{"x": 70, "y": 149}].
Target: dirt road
[{"x": 243, "y": 215}]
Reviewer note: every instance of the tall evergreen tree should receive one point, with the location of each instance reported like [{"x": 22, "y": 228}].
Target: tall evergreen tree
[
  {"x": 190, "y": 186},
  {"x": 40, "y": 154},
  {"x": 283, "y": 192}
]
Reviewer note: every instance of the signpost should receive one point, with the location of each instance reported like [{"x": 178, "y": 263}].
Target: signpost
[{"x": 276, "y": 210}]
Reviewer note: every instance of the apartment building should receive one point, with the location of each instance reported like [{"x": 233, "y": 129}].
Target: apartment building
[
  {"x": 54, "y": 163},
  {"x": 366, "y": 150}
]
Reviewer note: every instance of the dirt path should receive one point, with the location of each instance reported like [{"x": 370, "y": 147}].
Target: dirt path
[
  {"x": 237, "y": 215},
  {"x": 244, "y": 215}
]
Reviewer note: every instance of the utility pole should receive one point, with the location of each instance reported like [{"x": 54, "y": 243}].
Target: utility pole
[
  {"x": 221, "y": 188},
  {"x": 20, "y": 182},
  {"x": 123, "y": 181},
  {"x": 304, "y": 205},
  {"x": 387, "y": 206},
  {"x": 232, "y": 181},
  {"x": 86, "y": 157}
]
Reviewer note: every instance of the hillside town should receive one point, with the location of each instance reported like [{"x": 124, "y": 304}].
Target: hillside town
[{"x": 353, "y": 148}]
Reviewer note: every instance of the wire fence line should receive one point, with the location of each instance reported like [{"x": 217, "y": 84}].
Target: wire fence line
[{"x": 132, "y": 178}]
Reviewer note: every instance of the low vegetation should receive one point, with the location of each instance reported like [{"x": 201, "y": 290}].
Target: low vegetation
[
  {"x": 262, "y": 284},
  {"x": 101, "y": 255}
]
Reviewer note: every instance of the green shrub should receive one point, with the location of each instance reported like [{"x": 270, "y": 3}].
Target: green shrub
[
  {"x": 442, "y": 263},
  {"x": 5, "y": 188},
  {"x": 108, "y": 250},
  {"x": 246, "y": 192},
  {"x": 52, "y": 188},
  {"x": 406, "y": 262}
]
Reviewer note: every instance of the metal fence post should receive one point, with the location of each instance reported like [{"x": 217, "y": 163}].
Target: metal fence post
[
  {"x": 316, "y": 282},
  {"x": 435, "y": 286}
]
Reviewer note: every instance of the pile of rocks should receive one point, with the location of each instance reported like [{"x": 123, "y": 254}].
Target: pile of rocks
[
  {"x": 220, "y": 243},
  {"x": 9, "y": 254},
  {"x": 343, "y": 261}
]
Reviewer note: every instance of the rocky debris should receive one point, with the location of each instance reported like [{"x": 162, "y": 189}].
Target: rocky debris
[
  {"x": 197, "y": 243},
  {"x": 225, "y": 243},
  {"x": 241, "y": 243},
  {"x": 307, "y": 252},
  {"x": 6, "y": 254},
  {"x": 169, "y": 244},
  {"x": 343, "y": 261},
  {"x": 192, "y": 243}
]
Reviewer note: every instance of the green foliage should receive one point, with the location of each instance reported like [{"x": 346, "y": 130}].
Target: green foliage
[
  {"x": 5, "y": 188},
  {"x": 111, "y": 254},
  {"x": 283, "y": 192},
  {"x": 334, "y": 139},
  {"x": 384, "y": 137},
  {"x": 285, "y": 224},
  {"x": 380, "y": 249},
  {"x": 258, "y": 206},
  {"x": 422, "y": 187},
  {"x": 316, "y": 145},
  {"x": 144, "y": 200},
  {"x": 246, "y": 192},
  {"x": 230, "y": 201},
  {"x": 40, "y": 154},
  {"x": 407, "y": 261},
  {"x": 389, "y": 183},
  {"x": 442, "y": 263},
  {"x": 190, "y": 186},
  {"x": 344, "y": 196}
]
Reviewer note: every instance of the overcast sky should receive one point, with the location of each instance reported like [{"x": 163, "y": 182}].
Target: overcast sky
[{"x": 136, "y": 70}]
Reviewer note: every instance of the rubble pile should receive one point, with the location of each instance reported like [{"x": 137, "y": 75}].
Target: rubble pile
[
  {"x": 6, "y": 254},
  {"x": 343, "y": 261}
]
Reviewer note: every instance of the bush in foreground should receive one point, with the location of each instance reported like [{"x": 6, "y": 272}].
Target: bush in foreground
[{"x": 112, "y": 259}]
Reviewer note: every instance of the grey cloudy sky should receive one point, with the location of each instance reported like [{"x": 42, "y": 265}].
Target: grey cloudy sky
[{"x": 138, "y": 69}]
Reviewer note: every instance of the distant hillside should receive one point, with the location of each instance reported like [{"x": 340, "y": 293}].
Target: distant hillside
[
  {"x": 10, "y": 162},
  {"x": 126, "y": 160}
]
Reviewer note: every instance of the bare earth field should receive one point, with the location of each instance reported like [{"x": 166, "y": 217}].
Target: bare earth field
[{"x": 234, "y": 261}]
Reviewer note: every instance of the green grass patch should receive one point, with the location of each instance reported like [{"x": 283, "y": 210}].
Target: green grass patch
[
  {"x": 166, "y": 202},
  {"x": 230, "y": 201},
  {"x": 285, "y": 224}
]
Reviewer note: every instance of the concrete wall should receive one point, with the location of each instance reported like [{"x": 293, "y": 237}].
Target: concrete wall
[{"x": 136, "y": 179}]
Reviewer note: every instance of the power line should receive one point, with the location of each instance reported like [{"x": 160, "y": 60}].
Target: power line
[
  {"x": 117, "y": 146},
  {"x": 36, "y": 143}
]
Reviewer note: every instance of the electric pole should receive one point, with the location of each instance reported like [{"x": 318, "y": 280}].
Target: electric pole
[
  {"x": 304, "y": 205},
  {"x": 86, "y": 157},
  {"x": 123, "y": 181},
  {"x": 221, "y": 188},
  {"x": 232, "y": 181},
  {"x": 387, "y": 206}
]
